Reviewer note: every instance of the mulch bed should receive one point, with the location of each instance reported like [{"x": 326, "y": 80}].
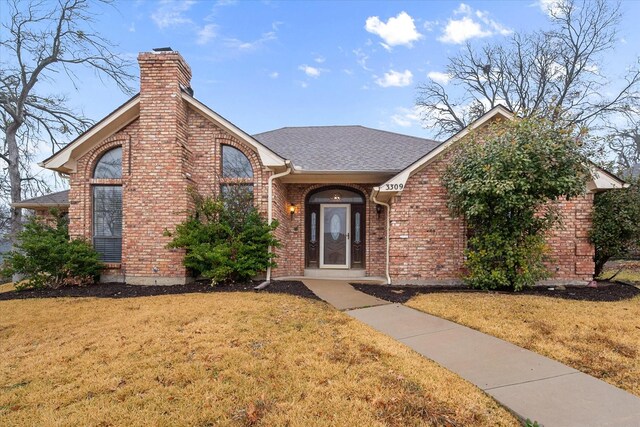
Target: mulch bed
[
  {"x": 120, "y": 290},
  {"x": 604, "y": 292}
]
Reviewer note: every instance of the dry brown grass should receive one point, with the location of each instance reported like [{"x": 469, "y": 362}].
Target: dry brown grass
[
  {"x": 7, "y": 287},
  {"x": 223, "y": 359},
  {"x": 599, "y": 338}
]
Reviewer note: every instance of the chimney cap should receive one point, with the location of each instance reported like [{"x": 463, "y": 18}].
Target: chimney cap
[{"x": 162, "y": 49}]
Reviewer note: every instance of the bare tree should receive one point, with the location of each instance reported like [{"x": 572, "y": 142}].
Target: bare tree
[
  {"x": 623, "y": 139},
  {"x": 40, "y": 42},
  {"x": 554, "y": 73}
]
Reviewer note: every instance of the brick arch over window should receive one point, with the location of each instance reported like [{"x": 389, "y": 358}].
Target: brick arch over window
[
  {"x": 254, "y": 182},
  {"x": 92, "y": 158}
]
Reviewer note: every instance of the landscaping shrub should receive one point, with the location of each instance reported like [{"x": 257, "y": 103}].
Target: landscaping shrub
[
  {"x": 225, "y": 238},
  {"x": 46, "y": 257},
  {"x": 504, "y": 181},
  {"x": 616, "y": 223}
]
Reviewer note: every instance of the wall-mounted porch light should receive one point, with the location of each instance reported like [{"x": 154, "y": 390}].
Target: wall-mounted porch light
[
  {"x": 378, "y": 210},
  {"x": 292, "y": 210}
]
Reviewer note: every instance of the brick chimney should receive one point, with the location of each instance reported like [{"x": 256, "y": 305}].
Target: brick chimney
[{"x": 156, "y": 195}]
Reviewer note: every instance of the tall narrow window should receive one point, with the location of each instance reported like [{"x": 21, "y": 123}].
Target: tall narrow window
[
  {"x": 107, "y": 222},
  {"x": 235, "y": 164},
  {"x": 313, "y": 227},
  {"x": 107, "y": 206}
]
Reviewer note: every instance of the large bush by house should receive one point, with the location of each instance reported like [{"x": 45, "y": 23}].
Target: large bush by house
[
  {"x": 225, "y": 238},
  {"x": 616, "y": 223},
  {"x": 46, "y": 257},
  {"x": 504, "y": 181}
]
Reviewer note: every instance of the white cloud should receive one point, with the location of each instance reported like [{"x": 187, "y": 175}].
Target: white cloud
[
  {"x": 234, "y": 43},
  {"x": 206, "y": 34},
  {"x": 172, "y": 13},
  {"x": 395, "y": 79},
  {"x": 471, "y": 25},
  {"x": 132, "y": 27},
  {"x": 361, "y": 58},
  {"x": 430, "y": 25},
  {"x": 397, "y": 31},
  {"x": 320, "y": 59},
  {"x": 550, "y": 7},
  {"x": 310, "y": 71},
  {"x": 406, "y": 117},
  {"x": 439, "y": 77},
  {"x": 274, "y": 74}
]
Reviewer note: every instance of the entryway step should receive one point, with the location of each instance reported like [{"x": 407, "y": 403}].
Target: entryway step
[{"x": 331, "y": 273}]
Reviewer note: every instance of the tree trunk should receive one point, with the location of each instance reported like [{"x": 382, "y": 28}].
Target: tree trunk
[{"x": 15, "y": 180}]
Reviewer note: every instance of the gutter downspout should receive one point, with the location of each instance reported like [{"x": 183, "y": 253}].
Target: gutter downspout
[
  {"x": 375, "y": 192},
  {"x": 270, "y": 216}
]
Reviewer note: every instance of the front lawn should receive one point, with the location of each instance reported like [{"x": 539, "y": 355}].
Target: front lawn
[
  {"x": 599, "y": 338},
  {"x": 223, "y": 359}
]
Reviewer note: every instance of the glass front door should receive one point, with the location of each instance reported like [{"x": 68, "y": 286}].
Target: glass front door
[{"x": 334, "y": 236}]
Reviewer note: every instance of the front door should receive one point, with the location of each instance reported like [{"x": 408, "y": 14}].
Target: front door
[{"x": 334, "y": 235}]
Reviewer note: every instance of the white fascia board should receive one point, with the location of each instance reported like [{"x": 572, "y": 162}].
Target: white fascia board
[
  {"x": 64, "y": 160},
  {"x": 268, "y": 157},
  {"x": 602, "y": 180},
  {"x": 397, "y": 183}
]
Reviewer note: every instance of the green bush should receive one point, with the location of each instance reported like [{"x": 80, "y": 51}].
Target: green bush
[
  {"x": 504, "y": 181},
  {"x": 616, "y": 223},
  {"x": 226, "y": 239},
  {"x": 47, "y": 258}
]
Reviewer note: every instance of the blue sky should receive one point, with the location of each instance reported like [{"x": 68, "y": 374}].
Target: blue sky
[{"x": 266, "y": 64}]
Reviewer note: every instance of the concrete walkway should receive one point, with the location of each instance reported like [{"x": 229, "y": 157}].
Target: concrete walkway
[
  {"x": 532, "y": 386},
  {"x": 341, "y": 295}
]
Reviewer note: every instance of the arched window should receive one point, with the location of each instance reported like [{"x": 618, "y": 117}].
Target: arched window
[
  {"x": 337, "y": 195},
  {"x": 110, "y": 165},
  {"x": 107, "y": 207},
  {"x": 235, "y": 164}
]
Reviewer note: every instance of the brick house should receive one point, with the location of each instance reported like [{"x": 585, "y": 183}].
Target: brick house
[{"x": 351, "y": 201}]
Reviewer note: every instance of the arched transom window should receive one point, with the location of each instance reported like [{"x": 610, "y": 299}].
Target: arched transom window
[
  {"x": 107, "y": 206},
  {"x": 110, "y": 165},
  {"x": 235, "y": 164}
]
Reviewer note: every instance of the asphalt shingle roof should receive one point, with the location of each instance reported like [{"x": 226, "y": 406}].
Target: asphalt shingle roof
[
  {"x": 346, "y": 148},
  {"x": 52, "y": 199}
]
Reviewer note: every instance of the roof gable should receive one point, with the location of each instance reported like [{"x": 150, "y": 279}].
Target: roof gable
[
  {"x": 65, "y": 159},
  {"x": 268, "y": 157},
  {"x": 600, "y": 178},
  {"x": 398, "y": 182}
]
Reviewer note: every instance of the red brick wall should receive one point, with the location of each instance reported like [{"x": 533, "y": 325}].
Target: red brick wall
[
  {"x": 427, "y": 243},
  {"x": 572, "y": 252}
]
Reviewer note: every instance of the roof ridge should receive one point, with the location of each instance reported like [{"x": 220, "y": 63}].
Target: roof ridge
[
  {"x": 350, "y": 126},
  {"x": 400, "y": 134}
]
